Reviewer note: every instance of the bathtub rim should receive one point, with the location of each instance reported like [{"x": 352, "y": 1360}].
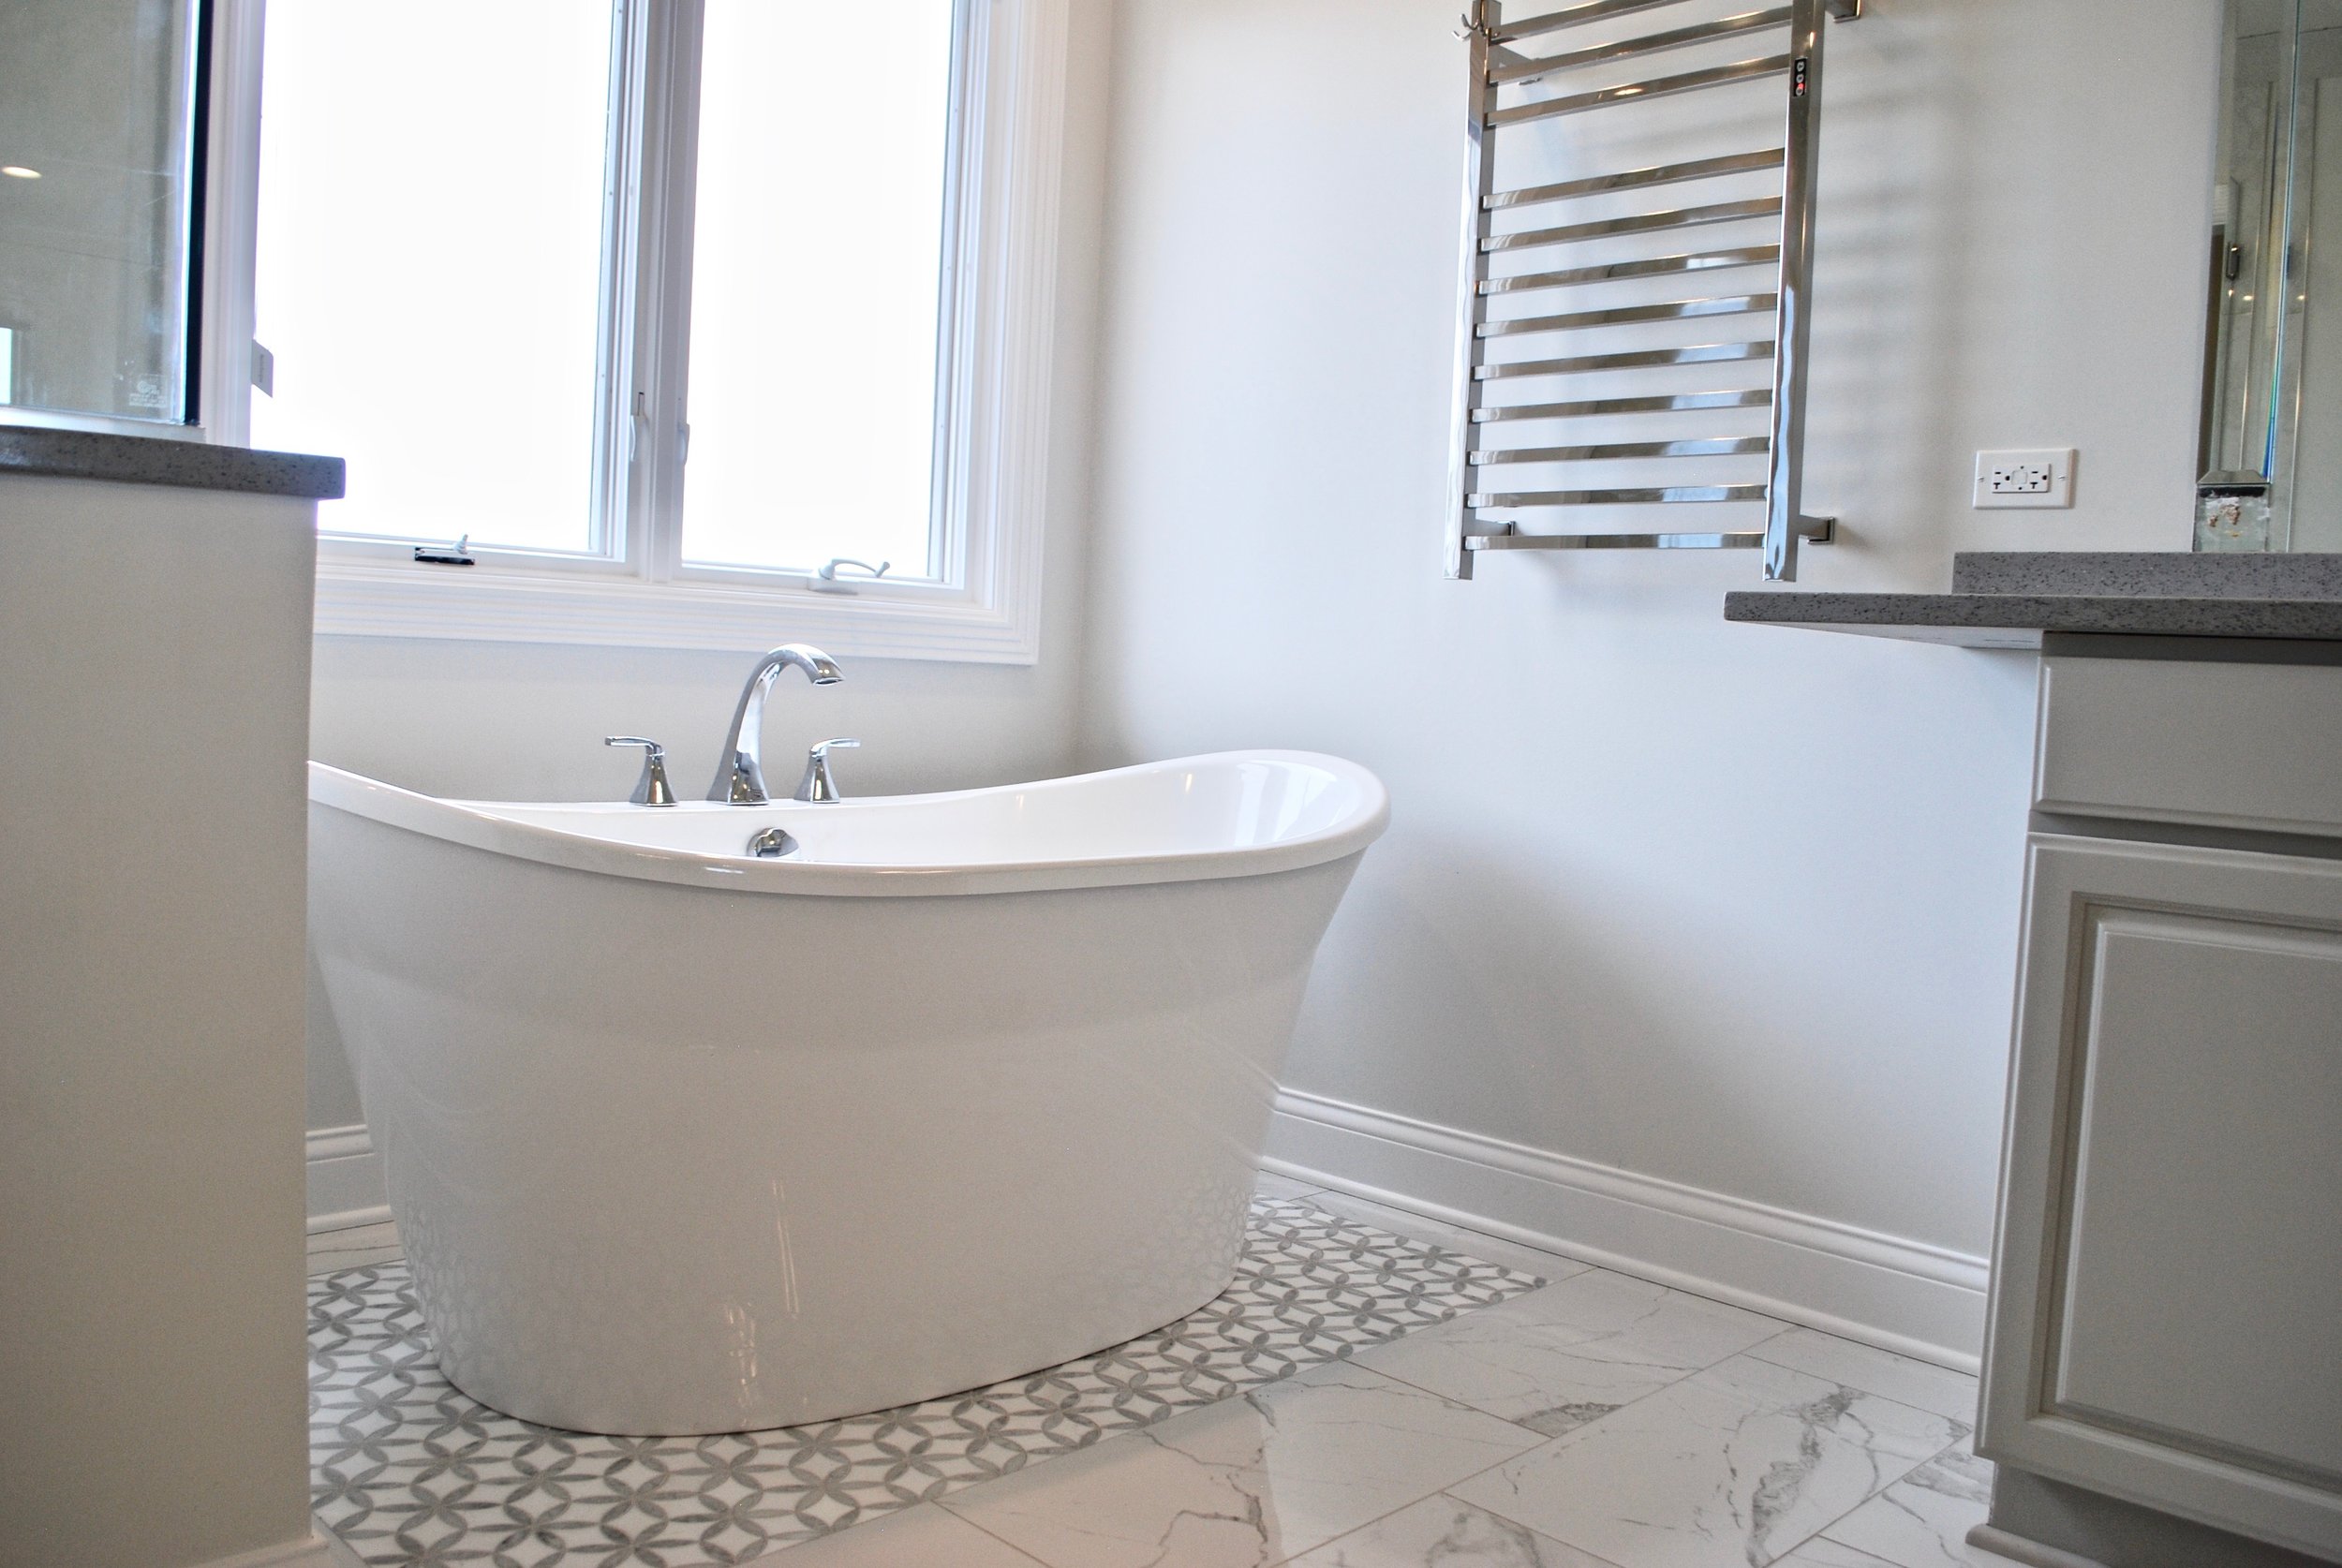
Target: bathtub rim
[{"x": 465, "y": 824}]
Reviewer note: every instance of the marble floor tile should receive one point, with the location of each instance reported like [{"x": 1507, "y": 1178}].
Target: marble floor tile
[
  {"x": 355, "y": 1247},
  {"x": 924, "y": 1537},
  {"x": 1443, "y": 1533},
  {"x": 1821, "y": 1552},
  {"x": 1730, "y": 1468},
  {"x": 1268, "y": 1184},
  {"x": 1246, "y": 1481},
  {"x": 1922, "y": 1520},
  {"x": 1455, "y": 1238},
  {"x": 1559, "y": 1357},
  {"x": 1874, "y": 1371}
]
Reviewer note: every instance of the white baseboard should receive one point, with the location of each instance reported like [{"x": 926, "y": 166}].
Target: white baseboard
[
  {"x": 1907, "y": 1296},
  {"x": 344, "y": 1179},
  {"x": 314, "y": 1550}
]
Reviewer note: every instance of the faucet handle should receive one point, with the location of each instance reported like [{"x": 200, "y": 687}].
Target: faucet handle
[
  {"x": 652, "y": 788},
  {"x": 817, "y": 785}
]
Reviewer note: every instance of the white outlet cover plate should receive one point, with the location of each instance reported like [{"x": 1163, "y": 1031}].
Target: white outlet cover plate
[{"x": 2038, "y": 476}]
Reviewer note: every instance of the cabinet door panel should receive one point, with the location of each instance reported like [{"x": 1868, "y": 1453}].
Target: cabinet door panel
[
  {"x": 2202, "y": 1275},
  {"x": 2167, "y": 1308}
]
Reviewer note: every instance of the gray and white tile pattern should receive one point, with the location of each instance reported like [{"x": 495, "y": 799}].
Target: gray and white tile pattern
[{"x": 408, "y": 1471}]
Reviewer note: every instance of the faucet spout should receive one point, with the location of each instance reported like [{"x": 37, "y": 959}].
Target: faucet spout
[{"x": 740, "y": 771}]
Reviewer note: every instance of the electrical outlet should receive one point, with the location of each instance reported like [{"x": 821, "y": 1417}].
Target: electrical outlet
[{"x": 2025, "y": 479}]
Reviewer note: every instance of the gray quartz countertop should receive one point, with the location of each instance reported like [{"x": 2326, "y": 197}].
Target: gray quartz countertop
[
  {"x": 161, "y": 460},
  {"x": 2011, "y": 599}
]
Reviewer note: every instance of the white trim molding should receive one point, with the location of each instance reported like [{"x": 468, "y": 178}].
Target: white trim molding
[
  {"x": 483, "y": 605},
  {"x": 345, "y": 1188},
  {"x": 1907, "y": 1296}
]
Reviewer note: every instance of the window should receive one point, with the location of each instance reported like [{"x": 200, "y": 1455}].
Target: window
[
  {"x": 815, "y": 284},
  {"x": 667, "y": 305},
  {"x": 423, "y": 274}
]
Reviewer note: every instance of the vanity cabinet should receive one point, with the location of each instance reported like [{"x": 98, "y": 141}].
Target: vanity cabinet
[{"x": 2167, "y": 1315}]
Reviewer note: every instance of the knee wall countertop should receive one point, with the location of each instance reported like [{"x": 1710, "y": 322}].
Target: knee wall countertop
[{"x": 2012, "y": 598}]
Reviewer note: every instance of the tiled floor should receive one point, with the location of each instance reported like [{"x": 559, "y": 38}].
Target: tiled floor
[
  {"x": 1600, "y": 1422},
  {"x": 407, "y": 1470}
]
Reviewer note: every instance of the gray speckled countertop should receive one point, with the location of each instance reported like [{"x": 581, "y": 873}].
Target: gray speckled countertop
[
  {"x": 2010, "y": 598},
  {"x": 161, "y": 460}
]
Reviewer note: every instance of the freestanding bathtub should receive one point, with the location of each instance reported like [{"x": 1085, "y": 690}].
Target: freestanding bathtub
[{"x": 683, "y": 1140}]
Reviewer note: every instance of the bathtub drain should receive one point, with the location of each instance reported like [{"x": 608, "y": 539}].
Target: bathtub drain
[{"x": 771, "y": 844}]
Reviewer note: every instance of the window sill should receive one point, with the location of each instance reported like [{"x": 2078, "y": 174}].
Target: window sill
[{"x": 487, "y": 605}]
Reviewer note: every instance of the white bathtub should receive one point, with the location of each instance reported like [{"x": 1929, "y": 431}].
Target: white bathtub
[{"x": 684, "y": 1141}]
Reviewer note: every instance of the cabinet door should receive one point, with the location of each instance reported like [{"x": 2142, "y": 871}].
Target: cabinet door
[{"x": 2166, "y": 1320}]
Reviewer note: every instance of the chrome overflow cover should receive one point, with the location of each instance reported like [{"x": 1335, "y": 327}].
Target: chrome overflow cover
[{"x": 771, "y": 843}]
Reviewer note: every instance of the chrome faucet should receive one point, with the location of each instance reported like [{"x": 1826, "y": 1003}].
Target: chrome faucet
[
  {"x": 652, "y": 788},
  {"x": 817, "y": 785},
  {"x": 739, "y": 772}
]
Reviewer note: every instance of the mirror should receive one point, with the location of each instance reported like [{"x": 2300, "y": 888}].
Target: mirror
[{"x": 2270, "y": 441}]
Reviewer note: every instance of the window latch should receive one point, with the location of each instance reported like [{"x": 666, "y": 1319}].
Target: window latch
[
  {"x": 458, "y": 554},
  {"x": 825, "y": 579}
]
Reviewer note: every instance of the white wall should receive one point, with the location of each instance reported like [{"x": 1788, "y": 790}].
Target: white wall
[
  {"x": 1722, "y": 907},
  {"x": 521, "y": 721}
]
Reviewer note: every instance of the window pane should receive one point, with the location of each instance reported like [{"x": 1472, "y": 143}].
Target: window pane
[
  {"x": 432, "y": 201},
  {"x": 823, "y": 132},
  {"x": 95, "y": 112}
]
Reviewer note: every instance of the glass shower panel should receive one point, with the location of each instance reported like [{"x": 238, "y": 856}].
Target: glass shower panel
[
  {"x": 96, "y": 172},
  {"x": 2239, "y": 439},
  {"x": 2316, "y": 306}
]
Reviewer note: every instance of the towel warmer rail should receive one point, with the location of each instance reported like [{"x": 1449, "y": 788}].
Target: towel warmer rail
[{"x": 1480, "y": 442}]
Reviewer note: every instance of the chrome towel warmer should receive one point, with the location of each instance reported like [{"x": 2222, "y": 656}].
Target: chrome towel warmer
[{"x": 1495, "y": 64}]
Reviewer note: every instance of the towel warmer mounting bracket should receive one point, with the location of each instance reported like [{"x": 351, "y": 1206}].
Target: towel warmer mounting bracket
[{"x": 1496, "y": 63}]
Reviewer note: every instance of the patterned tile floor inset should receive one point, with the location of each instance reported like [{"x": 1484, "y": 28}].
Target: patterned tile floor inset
[{"x": 408, "y": 1471}]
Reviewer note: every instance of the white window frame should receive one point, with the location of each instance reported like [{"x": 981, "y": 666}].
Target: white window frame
[{"x": 991, "y": 452}]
